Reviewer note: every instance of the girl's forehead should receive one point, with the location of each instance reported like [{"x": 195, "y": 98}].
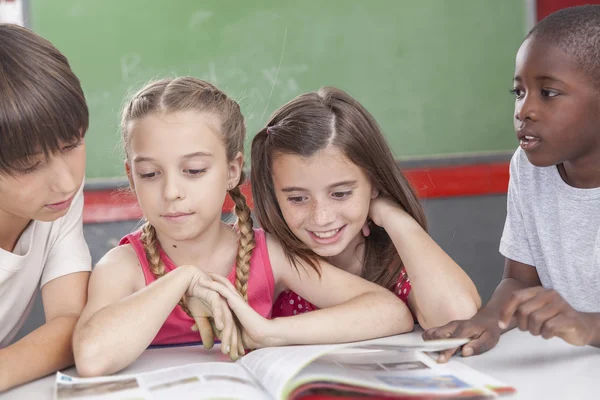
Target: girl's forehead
[
  {"x": 182, "y": 131},
  {"x": 330, "y": 155},
  {"x": 325, "y": 167}
]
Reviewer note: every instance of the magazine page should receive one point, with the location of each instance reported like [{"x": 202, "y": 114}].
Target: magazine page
[
  {"x": 273, "y": 367},
  {"x": 387, "y": 370},
  {"x": 479, "y": 378},
  {"x": 192, "y": 381},
  {"x": 414, "y": 340}
]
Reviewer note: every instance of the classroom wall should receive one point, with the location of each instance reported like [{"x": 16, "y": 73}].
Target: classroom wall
[{"x": 435, "y": 73}]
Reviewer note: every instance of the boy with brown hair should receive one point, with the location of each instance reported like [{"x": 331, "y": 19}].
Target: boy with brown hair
[{"x": 43, "y": 120}]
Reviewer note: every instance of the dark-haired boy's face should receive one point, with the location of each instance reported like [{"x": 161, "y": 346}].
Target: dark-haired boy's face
[
  {"x": 557, "y": 107},
  {"x": 45, "y": 189}
]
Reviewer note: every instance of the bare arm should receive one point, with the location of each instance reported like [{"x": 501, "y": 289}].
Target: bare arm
[
  {"x": 352, "y": 308},
  {"x": 122, "y": 316},
  {"x": 441, "y": 290},
  {"x": 517, "y": 276},
  {"x": 48, "y": 348}
]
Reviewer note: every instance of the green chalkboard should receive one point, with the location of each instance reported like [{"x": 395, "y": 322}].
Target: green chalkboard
[{"x": 435, "y": 73}]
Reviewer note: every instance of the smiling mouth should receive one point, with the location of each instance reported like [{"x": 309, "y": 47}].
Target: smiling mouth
[{"x": 326, "y": 234}]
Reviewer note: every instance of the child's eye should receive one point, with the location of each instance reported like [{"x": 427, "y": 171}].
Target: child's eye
[
  {"x": 341, "y": 195},
  {"x": 195, "y": 171},
  {"x": 296, "y": 199},
  {"x": 149, "y": 175},
  {"x": 73, "y": 146},
  {"x": 517, "y": 92},
  {"x": 30, "y": 169},
  {"x": 549, "y": 93}
]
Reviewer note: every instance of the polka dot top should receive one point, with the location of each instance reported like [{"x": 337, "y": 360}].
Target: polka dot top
[{"x": 289, "y": 303}]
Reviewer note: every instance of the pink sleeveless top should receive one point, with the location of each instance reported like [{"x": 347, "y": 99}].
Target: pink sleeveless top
[
  {"x": 177, "y": 327},
  {"x": 289, "y": 303}
]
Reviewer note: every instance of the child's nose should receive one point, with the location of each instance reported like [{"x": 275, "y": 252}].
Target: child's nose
[
  {"x": 323, "y": 214},
  {"x": 63, "y": 176},
  {"x": 172, "y": 189},
  {"x": 526, "y": 108}
]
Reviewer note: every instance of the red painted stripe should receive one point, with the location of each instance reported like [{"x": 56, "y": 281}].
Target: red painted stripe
[
  {"x": 465, "y": 180},
  {"x": 547, "y": 7}
]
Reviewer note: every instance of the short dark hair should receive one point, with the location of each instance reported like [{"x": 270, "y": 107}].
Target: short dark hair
[
  {"x": 576, "y": 31},
  {"x": 42, "y": 106}
]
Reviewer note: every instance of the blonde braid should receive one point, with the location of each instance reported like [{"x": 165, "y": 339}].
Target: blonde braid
[
  {"x": 157, "y": 267},
  {"x": 246, "y": 241}
]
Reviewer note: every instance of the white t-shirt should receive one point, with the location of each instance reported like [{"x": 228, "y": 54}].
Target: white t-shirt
[
  {"x": 45, "y": 251},
  {"x": 555, "y": 228}
]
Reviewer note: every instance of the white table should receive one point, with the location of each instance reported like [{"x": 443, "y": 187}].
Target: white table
[{"x": 537, "y": 368}]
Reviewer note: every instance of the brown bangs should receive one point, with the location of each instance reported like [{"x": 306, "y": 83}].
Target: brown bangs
[{"x": 42, "y": 106}]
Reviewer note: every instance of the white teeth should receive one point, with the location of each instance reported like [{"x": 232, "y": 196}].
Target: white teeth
[
  {"x": 529, "y": 137},
  {"x": 325, "y": 235}
]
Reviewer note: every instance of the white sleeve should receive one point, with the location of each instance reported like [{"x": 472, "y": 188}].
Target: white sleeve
[
  {"x": 515, "y": 242},
  {"x": 69, "y": 253}
]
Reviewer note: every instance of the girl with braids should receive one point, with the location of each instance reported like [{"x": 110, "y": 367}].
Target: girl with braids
[
  {"x": 321, "y": 169},
  {"x": 184, "y": 152}
]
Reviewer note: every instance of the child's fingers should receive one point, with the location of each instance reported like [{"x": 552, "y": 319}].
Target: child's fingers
[
  {"x": 227, "y": 333},
  {"x": 241, "y": 350},
  {"x": 366, "y": 231},
  {"x": 245, "y": 314},
  {"x": 442, "y": 332},
  {"x": 445, "y": 355},
  {"x": 235, "y": 301},
  {"x": 206, "y": 332},
  {"x": 480, "y": 345},
  {"x": 217, "y": 307},
  {"x": 513, "y": 304},
  {"x": 226, "y": 340},
  {"x": 538, "y": 318},
  {"x": 527, "y": 309},
  {"x": 458, "y": 329},
  {"x": 234, "y": 354},
  {"x": 568, "y": 328},
  {"x": 226, "y": 282}
]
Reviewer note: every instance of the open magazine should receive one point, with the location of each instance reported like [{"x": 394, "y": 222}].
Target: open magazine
[{"x": 396, "y": 368}]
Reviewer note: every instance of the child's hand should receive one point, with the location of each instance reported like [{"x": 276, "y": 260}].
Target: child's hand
[
  {"x": 483, "y": 331},
  {"x": 256, "y": 330},
  {"x": 544, "y": 312},
  {"x": 382, "y": 208},
  {"x": 204, "y": 303}
]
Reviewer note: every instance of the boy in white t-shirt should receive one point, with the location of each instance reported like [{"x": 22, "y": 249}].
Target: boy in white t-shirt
[
  {"x": 43, "y": 120},
  {"x": 551, "y": 239}
]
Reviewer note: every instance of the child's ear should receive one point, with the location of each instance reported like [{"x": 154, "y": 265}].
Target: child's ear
[
  {"x": 129, "y": 178},
  {"x": 235, "y": 170},
  {"x": 374, "y": 193}
]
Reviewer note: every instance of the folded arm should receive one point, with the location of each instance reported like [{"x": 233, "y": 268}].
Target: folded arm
[
  {"x": 441, "y": 290},
  {"x": 48, "y": 348}
]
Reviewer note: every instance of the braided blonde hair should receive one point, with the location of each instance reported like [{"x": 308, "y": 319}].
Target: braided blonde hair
[{"x": 188, "y": 93}]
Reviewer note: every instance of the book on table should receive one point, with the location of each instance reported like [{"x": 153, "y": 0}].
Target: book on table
[{"x": 398, "y": 367}]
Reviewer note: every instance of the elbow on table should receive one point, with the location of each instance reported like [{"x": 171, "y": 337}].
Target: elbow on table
[
  {"x": 90, "y": 359},
  {"x": 403, "y": 321},
  {"x": 461, "y": 309}
]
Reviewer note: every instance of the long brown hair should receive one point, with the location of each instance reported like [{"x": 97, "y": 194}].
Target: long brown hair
[
  {"x": 188, "y": 93},
  {"x": 307, "y": 124},
  {"x": 42, "y": 106}
]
